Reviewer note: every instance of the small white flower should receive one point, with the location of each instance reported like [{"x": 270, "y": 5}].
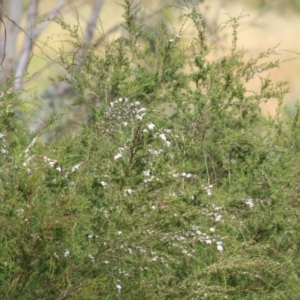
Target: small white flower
[
  {"x": 208, "y": 190},
  {"x": 163, "y": 137},
  {"x": 117, "y": 156},
  {"x": 141, "y": 110},
  {"x": 20, "y": 212},
  {"x": 128, "y": 192},
  {"x": 150, "y": 126},
  {"x": 208, "y": 241},
  {"x": 67, "y": 253},
  {"x": 168, "y": 144},
  {"x": 146, "y": 173},
  {"x": 212, "y": 229},
  {"x": 219, "y": 246},
  {"x": 52, "y": 163},
  {"x": 171, "y": 40},
  {"x": 103, "y": 183},
  {"x": 76, "y": 167},
  {"x": 119, "y": 287},
  {"x": 249, "y": 202},
  {"x": 218, "y": 218},
  {"x": 91, "y": 257}
]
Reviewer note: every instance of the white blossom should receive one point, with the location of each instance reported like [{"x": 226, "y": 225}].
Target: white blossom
[
  {"x": 91, "y": 257},
  {"x": 163, "y": 137},
  {"x": 249, "y": 202},
  {"x": 150, "y": 126},
  {"x": 146, "y": 173},
  {"x": 218, "y": 218},
  {"x": 103, "y": 183},
  {"x": 117, "y": 156},
  {"x": 219, "y": 246},
  {"x": 128, "y": 192}
]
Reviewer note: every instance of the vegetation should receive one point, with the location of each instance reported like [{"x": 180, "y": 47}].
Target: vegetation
[{"x": 170, "y": 184}]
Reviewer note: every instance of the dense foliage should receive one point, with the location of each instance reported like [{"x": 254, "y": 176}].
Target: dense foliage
[{"x": 170, "y": 184}]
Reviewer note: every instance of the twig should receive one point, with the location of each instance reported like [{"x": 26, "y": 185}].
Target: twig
[{"x": 30, "y": 38}]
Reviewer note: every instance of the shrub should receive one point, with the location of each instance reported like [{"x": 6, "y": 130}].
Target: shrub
[{"x": 174, "y": 186}]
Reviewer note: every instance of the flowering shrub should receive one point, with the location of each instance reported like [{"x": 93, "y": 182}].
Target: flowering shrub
[{"x": 174, "y": 187}]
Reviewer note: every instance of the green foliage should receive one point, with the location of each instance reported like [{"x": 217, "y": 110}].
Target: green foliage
[{"x": 174, "y": 186}]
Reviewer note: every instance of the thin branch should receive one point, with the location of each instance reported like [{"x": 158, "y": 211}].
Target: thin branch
[
  {"x": 37, "y": 31},
  {"x": 4, "y": 44},
  {"x": 29, "y": 37},
  {"x": 11, "y": 37},
  {"x": 92, "y": 21},
  {"x": 27, "y": 46},
  {"x": 116, "y": 27},
  {"x": 90, "y": 29}
]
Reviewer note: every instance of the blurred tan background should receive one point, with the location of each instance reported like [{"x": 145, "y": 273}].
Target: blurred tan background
[{"x": 268, "y": 24}]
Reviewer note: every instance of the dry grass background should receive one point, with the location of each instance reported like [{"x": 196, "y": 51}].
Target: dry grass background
[{"x": 257, "y": 32}]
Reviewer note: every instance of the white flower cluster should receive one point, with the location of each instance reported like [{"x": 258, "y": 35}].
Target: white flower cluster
[
  {"x": 148, "y": 177},
  {"x": 128, "y": 192},
  {"x": 21, "y": 214},
  {"x": 164, "y": 138},
  {"x": 208, "y": 190},
  {"x": 122, "y": 108},
  {"x": 120, "y": 153},
  {"x": 65, "y": 254},
  {"x": 182, "y": 175},
  {"x": 248, "y": 202},
  {"x": 208, "y": 239},
  {"x": 3, "y": 148},
  {"x": 76, "y": 167},
  {"x": 52, "y": 163}
]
